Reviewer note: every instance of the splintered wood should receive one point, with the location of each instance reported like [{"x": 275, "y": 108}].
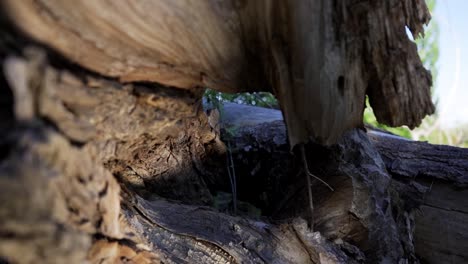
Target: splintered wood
[{"x": 319, "y": 57}]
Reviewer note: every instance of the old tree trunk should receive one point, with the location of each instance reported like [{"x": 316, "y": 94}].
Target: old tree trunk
[{"x": 109, "y": 156}]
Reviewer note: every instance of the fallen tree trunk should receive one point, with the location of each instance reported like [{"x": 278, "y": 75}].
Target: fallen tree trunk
[
  {"x": 60, "y": 206},
  {"x": 95, "y": 170},
  {"x": 443, "y": 212},
  {"x": 349, "y": 220},
  {"x": 54, "y": 136},
  {"x": 427, "y": 190}
]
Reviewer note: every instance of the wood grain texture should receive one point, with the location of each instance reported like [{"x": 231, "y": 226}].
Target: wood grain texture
[
  {"x": 177, "y": 43},
  {"x": 440, "y": 225},
  {"x": 61, "y": 203},
  {"x": 333, "y": 53},
  {"x": 132, "y": 129},
  {"x": 319, "y": 57},
  {"x": 441, "y": 231},
  {"x": 201, "y": 235},
  {"x": 76, "y": 133}
]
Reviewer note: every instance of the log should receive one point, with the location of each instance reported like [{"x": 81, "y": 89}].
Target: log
[
  {"x": 443, "y": 210},
  {"x": 98, "y": 167},
  {"x": 427, "y": 190},
  {"x": 60, "y": 206},
  {"x": 69, "y": 157},
  {"x": 412, "y": 159},
  {"x": 71, "y": 144}
]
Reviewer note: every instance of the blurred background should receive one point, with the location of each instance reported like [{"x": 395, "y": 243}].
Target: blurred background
[
  {"x": 451, "y": 89},
  {"x": 444, "y": 51}
]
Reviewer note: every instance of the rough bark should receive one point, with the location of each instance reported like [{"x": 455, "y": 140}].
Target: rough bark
[
  {"x": 440, "y": 232},
  {"x": 95, "y": 170},
  {"x": 320, "y": 57},
  {"x": 354, "y": 212},
  {"x": 70, "y": 138},
  {"x": 60, "y": 201},
  {"x": 43, "y": 169},
  {"x": 427, "y": 189}
]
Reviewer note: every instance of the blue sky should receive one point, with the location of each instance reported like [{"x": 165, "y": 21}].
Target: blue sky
[{"x": 451, "y": 87}]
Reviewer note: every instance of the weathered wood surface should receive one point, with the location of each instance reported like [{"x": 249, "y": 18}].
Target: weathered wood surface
[
  {"x": 130, "y": 128},
  {"x": 441, "y": 233},
  {"x": 203, "y": 235},
  {"x": 53, "y": 199},
  {"x": 58, "y": 206},
  {"x": 186, "y": 44},
  {"x": 428, "y": 189},
  {"x": 320, "y": 57},
  {"x": 62, "y": 159},
  {"x": 422, "y": 161},
  {"x": 72, "y": 136}
]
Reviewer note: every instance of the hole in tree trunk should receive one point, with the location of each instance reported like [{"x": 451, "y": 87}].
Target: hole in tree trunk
[
  {"x": 6, "y": 115},
  {"x": 341, "y": 84}
]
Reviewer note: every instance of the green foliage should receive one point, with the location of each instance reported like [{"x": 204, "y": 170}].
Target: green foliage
[
  {"x": 431, "y": 131},
  {"x": 428, "y": 47},
  {"x": 262, "y": 99},
  {"x": 370, "y": 119}
]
